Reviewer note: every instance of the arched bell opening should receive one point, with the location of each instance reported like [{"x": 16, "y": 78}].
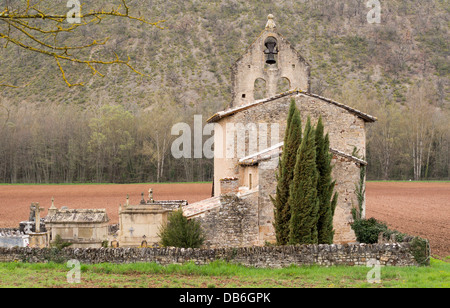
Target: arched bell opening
[{"x": 271, "y": 51}]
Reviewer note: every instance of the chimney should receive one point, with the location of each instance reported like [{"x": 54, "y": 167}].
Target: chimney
[{"x": 229, "y": 186}]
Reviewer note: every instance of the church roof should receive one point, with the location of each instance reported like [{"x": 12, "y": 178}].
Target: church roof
[
  {"x": 226, "y": 113},
  {"x": 201, "y": 207},
  {"x": 276, "y": 150},
  {"x": 266, "y": 154}
]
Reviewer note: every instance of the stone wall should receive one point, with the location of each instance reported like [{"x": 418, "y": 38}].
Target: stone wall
[
  {"x": 229, "y": 186},
  {"x": 233, "y": 224},
  {"x": 396, "y": 254},
  {"x": 267, "y": 173},
  {"x": 347, "y": 175}
]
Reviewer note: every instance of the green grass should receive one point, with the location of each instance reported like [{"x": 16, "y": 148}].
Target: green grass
[
  {"x": 69, "y": 184},
  {"x": 220, "y": 275},
  {"x": 399, "y": 181}
]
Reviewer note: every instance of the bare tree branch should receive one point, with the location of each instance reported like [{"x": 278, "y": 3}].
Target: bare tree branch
[{"x": 41, "y": 38}]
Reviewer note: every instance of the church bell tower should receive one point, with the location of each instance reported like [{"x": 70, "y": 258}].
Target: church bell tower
[{"x": 270, "y": 66}]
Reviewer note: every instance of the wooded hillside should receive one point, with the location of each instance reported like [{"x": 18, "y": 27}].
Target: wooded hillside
[{"x": 117, "y": 128}]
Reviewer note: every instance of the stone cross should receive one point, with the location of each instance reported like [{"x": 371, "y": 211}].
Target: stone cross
[
  {"x": 270, "y": 23},
  {"x": 131, "y": 231},
  {"x": 36, "y": 209},
  {"x": 150, "y": 195},
  {"x": 52, "y": 210}
]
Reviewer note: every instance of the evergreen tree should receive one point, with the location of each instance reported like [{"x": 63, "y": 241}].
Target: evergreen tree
[
  {"x": 285, "y": 174},
  {"x": 181, "y": 232},
  {"x": 303, "y": 200},
  {"x": 325, "y": 186}
]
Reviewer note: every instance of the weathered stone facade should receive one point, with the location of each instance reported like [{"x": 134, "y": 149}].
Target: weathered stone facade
[
  {"x": 248, "y": 135},
  {"x": 289, "y": 68},
  {"x": 397, "y": 254},
  {"x": 346, "y": 129}
]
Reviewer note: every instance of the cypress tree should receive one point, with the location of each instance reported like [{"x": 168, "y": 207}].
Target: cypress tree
[
  {"x": 292, "y": 140},
  {"x": 303, "y": 200},
  {"x": 325, "y": 186}
]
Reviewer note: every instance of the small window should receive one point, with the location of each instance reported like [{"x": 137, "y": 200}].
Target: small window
[
  {"x": 243, "y": 95},
  {"x": 250, "y": 184}
]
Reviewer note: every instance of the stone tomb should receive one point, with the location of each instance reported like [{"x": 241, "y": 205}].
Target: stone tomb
[
  {"x": 82, "y": 228},
  {"x": 10, "y": 238},
  {"x": 141, "y": 223}
]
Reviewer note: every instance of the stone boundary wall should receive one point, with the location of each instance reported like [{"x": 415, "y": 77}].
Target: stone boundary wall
[
  {"x": 233, "y": 224},
  {"x": 393, "y": 254}
]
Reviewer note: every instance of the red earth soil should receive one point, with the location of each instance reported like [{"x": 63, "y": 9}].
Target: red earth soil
[
  {"x": 15, "y": 200},
  {"x": 421, "y": 209}
]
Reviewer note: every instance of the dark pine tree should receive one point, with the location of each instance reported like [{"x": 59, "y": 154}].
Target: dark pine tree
[
  {"x": 325, "y": 186},
  {"x": 285, "y": 174},
  {"x": 303, "y": 192}
]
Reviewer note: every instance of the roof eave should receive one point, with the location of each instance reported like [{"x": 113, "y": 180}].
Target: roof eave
[{"x": 223, "y": 114}]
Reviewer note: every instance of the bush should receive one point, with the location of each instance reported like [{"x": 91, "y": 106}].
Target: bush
[
  {"x": 367, "y": 231},
  {"x": 421, "y": 251},
  {"x": 181, "y": 232},
  {"x": 59, "y": 243}
]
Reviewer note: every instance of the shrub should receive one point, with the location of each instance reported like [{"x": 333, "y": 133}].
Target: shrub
[
  {"x": 59, "y": 243},
  {"x": 367, "y": 231},
  {"x": 421, "y": 251},
  {"x": 181, "y": 232}
]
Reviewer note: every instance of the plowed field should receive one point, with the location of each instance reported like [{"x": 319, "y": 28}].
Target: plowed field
[{"x": 421, "y": 209}]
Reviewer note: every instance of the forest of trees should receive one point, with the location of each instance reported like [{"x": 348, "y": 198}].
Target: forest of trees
[
  {"x": 117, "y": 128},
  {"x": 411, "y": 140},
  {"x": 111, "y": 143},
  {"x": 107, "y": 144}
]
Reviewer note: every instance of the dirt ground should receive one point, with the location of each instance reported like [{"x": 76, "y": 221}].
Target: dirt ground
[
  {"x": 15, "y": 200},
  {"x": 421, "y": 209}
]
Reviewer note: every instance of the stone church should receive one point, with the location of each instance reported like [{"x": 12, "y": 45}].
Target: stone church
[{"x": 264, "y": 81}]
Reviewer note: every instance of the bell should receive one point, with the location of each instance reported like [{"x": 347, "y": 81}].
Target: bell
[
  {"x": 271, "y": 50},
  {"x": 271, "y": 59}
]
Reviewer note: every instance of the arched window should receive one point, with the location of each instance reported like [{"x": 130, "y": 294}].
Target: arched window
[
  {"x": 283, "y": 85},
  {"x": 260, "y": 89}
]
